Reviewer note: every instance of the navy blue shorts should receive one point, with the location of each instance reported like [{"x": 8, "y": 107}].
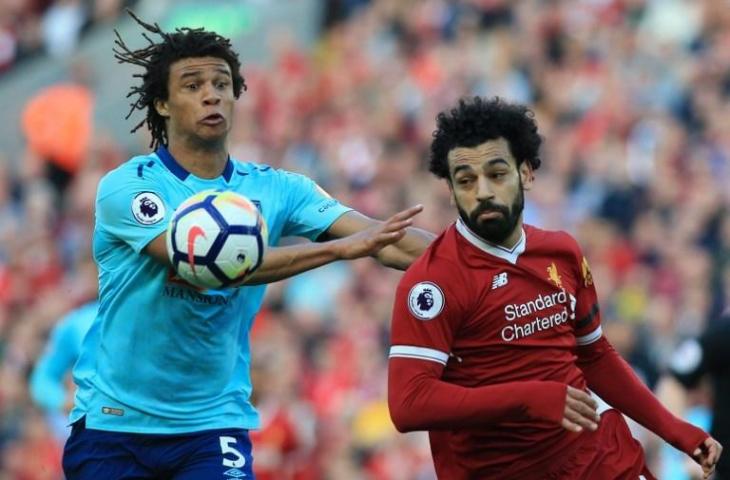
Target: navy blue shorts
[{"x": 212, "y": 454}]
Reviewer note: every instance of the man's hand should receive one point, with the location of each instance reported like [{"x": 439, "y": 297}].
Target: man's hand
[
  {"x": 707, "y": 455},
  {"x": 580, "y": 411},
  {"x": 372, "y": 240},
  {"x": 283, "y": 262}
]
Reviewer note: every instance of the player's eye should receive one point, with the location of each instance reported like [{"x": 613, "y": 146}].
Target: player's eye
[
  {"x": 498, "y": 175},
  {"x": 222, "y": 84},
  {"x": 191, "y": 86}
]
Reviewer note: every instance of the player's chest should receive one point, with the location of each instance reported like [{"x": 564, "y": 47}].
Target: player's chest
[
  {"x": 261, "y": 194},
  {"x": 521, "y": 303}
]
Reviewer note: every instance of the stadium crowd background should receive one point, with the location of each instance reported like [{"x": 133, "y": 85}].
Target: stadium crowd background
[{"x": 633, "y": 97}]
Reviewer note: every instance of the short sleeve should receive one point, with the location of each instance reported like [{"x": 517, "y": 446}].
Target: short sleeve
[
  {"x": 310, "y": 209},
  {"x": 587, "y": 311},
  {"x": 426, "y": 316},
  {"x": 131, "y": 208}
]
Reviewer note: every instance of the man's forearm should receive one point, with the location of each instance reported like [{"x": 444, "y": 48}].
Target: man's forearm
[
  {"x": 284, "y": 262},
  {"x": 401, "y": 254},
  {"x": 613, "y": 380},
  {"x": 419, "y": 400}
]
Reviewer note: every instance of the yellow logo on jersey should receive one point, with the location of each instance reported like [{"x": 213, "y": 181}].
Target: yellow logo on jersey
[
  {"x": 553, "y": 275},
  {"x": 587, "y": 275}
]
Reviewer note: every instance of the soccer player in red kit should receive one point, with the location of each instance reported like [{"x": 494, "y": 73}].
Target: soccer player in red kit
[{"x": 496, "y": 334}]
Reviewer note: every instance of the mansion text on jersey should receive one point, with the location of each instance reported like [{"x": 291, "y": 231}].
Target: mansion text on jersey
[
  {"x": 194, "y": 296},
  {"x": 515, "y": 311}
]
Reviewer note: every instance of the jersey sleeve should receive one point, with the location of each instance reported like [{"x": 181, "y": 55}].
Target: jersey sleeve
[
  {"x": 132, "y": 207},
  {"x": 310, "y": 209},
  {"x": 587, "y": 311},
  {"x": 426, "y": 315},
  {"x": 47, "y": 379}
]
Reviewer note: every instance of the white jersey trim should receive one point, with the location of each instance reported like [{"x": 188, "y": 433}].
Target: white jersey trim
[
  {"x": 423, "y": 353},
  {"x": 590, "y": 338},
  {"x": 509, "y": 254}
]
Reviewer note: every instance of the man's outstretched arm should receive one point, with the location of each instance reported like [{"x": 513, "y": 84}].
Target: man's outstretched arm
[
  {"x": 283, "y": 262},
  {"x": 613, "y": 380},
  {"x": 400, "y": 254}
]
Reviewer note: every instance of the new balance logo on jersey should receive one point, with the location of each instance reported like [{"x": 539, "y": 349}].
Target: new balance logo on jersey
[{"x": 499, "y": 280}]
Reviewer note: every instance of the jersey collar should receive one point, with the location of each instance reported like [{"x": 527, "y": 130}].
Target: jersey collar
[
  {"x": 169, "y": 161},
  {"x": 509, "y": 254}
]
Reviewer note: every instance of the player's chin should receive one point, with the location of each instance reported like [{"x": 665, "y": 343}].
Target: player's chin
[
  {"x": 491, "y": 226},
  {"x": 217, "y": 126},
  {"x": 213, "y": 134}
]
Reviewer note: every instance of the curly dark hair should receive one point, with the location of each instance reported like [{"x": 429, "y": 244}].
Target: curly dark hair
[
  {"x": 156, "y": 59},
  {"x": 477, "y": 120}
]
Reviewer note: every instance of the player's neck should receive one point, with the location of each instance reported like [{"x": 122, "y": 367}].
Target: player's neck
[
  {"x": 204, "y": 161},
  {"x": 514, "y": 237}
]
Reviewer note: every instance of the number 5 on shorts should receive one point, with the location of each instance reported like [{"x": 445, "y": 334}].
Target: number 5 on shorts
[{"x": 227, "y": 446}]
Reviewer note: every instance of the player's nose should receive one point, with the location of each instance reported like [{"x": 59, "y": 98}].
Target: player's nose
[
  {"x": 211, "y": 96},
  {"x": 484, "y": 192}
]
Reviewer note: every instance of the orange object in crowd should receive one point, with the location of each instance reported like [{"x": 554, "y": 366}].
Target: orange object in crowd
[{"x": 57, "y": 122}]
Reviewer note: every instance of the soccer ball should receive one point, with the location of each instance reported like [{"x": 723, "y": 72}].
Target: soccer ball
[{"x": 216, "y": 238}]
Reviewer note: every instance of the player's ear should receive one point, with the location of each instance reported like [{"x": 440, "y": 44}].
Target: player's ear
[
  {"x": 161, "y": 108},
  {"x": 527, "y": 175},
  {"x": 452, "y": 199}
]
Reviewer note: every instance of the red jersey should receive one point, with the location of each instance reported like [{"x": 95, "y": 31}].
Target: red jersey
[{"x": 490, "y": 315}]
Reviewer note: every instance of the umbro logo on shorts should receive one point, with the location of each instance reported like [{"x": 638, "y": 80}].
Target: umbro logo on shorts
[{"x": 234, "y": 473}]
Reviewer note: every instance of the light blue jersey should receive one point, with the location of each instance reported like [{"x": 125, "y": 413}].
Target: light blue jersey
[
  {"x": 47, "y": 387},
  {"x": 163, "y": 357}
]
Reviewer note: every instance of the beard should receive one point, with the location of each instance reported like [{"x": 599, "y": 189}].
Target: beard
[{"x": 495, "y": 230}]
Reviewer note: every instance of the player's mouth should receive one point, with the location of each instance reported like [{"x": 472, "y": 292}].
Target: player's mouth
[
  {"x": 490, "y": 215},
  {"x": 213, "y": 119}
]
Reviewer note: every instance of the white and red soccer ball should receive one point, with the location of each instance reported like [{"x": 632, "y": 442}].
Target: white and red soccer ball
[{"x": 216, "y": 239}]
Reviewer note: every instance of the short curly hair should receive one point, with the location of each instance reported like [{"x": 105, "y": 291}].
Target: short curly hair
[
  {"x": 477, "y": 120},
  {"x": 156, "y": 59}
]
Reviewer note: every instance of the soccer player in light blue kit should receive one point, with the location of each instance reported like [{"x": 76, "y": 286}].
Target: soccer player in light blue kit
[
  {"x": 48, "y": 380},
  {"x": 163, "y": 376}
]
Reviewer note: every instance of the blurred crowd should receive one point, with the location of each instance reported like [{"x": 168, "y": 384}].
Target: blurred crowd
[
  {"x": 632, "y": 97},
  {"x": 52, "y": 27}
]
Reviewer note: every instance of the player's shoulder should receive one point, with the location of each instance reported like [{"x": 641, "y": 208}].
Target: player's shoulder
[
  {"x": 285, "y": 180},
  {"x": 78, "y": 318},
  {"x": 138, "y": 169},
  {"x": 555, "y": 240},
  {"x": 87, "y": 310},
  {"x": 436, "y": 279},
  {"x": 438, "y": 263},
  {"x": 245, "y": 168},
  {"x": 255, "y": 169}
]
